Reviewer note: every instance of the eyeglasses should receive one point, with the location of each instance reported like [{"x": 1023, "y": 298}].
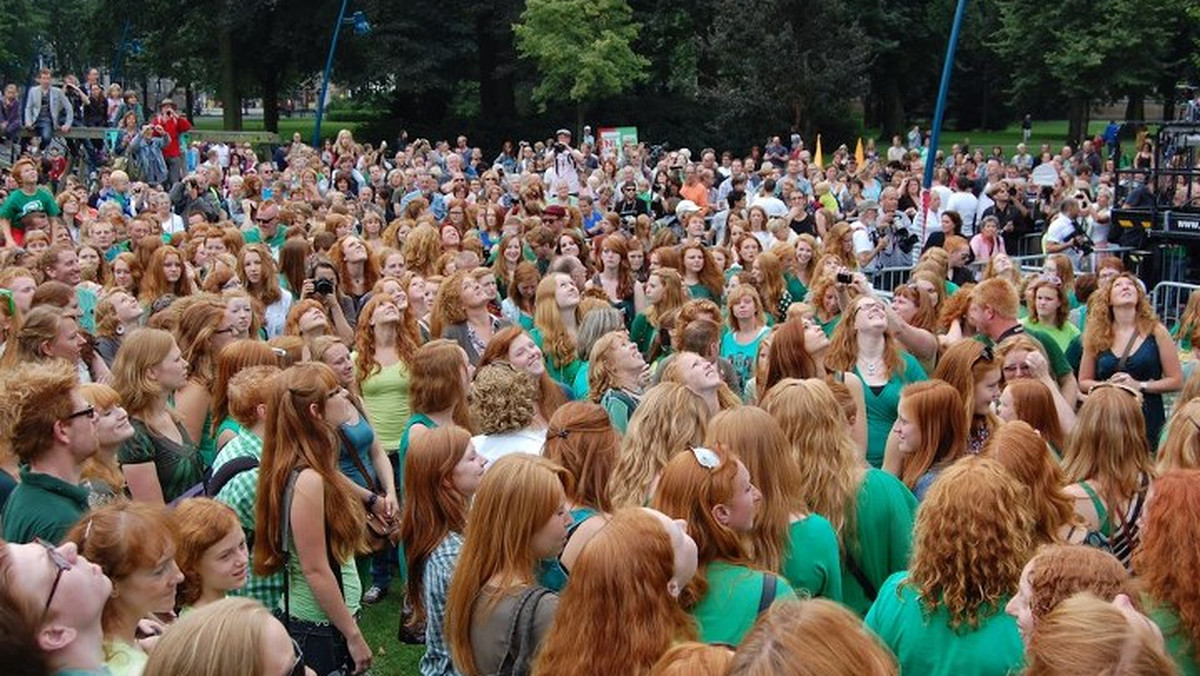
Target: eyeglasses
[
  {"x": 264, "y": 220},
  {"x": 297, "y": 666},
  {"x": 61, "y": 565},
  {"x": 89, "y": 412},
  {"x": 705, "y": 457}
]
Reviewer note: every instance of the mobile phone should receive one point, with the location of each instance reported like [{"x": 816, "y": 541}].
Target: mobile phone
[{"x": 844, "y": 278}]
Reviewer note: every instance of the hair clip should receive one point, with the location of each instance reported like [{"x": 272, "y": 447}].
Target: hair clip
[{"x": 561, "y": 434}]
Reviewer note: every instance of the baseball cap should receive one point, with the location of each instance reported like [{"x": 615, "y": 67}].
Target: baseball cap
[
  {"x": 555, "y": 210},
  {"x": 686, "y": 207}
]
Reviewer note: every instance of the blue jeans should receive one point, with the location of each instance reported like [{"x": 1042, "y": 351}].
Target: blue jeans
[{"x": 45, "y": 131}]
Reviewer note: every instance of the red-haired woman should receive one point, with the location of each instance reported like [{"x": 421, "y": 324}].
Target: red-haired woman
[
  {"x": 712, "y": 491},
  {"x": 1032, "y": 401},
  {"x": 442, "y": 474},
  {"x": 1167, "y": 561},
  {"x": 581, "y": 439},
  {"x": 322, "y": 523},
  {"x": 665, "y": 293},
  {"x": 519, "y": 516},
  {"x": 701, "y": 276},
  {"x": 520, "y": 293},
  {"x": 972, "y": 368},
  {"x": 258, "y": 273},
  {"x": 945, "y": 615},
  {"x": 514, "y": 346},
  {"x": 633, "y": 568},
  {"x": 930, "y": 433},
  {"x": 212, "y": 552},
  {"x": 617, "y": 280},
  {"x": 1048, "y": 306},
  {"x": 1126, "y": 344}
]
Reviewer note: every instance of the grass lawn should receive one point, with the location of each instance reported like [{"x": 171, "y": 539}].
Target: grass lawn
[
  {"x": 379, "y": 623},
  {"x": 287, "y": 126}
]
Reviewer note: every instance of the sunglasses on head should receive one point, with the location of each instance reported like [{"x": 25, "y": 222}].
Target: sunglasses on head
[{"x": 987, "y": 355}]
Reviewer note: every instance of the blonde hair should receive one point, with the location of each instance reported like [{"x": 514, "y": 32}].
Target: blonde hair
[
  {"x": 694, "y": 659},
  {"x": 141, "y": 351},
  {"x": 811, "y": 637},
  {"x": 1085, "y": 635},
  {"x": 668, "y": 419},
  {"x": 225, "y": 637},
  {"x": 1181, "y": 448},
  {"x": 560, "y": 346}
]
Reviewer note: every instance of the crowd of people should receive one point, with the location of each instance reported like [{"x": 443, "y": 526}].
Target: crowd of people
[{"x": 617, "y": 413}]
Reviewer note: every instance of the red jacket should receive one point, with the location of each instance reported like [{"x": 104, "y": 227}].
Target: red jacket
[{"x": 174, "y": 126}]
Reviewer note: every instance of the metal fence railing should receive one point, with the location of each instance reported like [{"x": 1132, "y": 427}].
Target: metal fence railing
[
  {"x": 887, "y": 279},
  {"x": 1169, "y": 300}
]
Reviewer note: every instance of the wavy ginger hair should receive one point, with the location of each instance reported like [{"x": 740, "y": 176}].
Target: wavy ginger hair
[
  {"x": 550, "y": 395},
  {"x": 617, "y": 242},
  {"x": 1098, "y": 335},
  {"x": 560, "y": 347},
  {"x": 142, "y": 350},
  {"x": 518, "y": 495},
  {"x": 690, "y": 492},
  {"x": 619, "y": 599},
  {"x": 1168, "y": 558},
  {"x": 433, "y": 507},
  {"x": 1060, "y": 571},
  {"x": 295, "y": 438},
  {"x": 833, "y": 468},
  {"x": 1085, "y": 635},
  {"x": 1108, "y": 445},
  {"x": 582, "y": 439},
  {"x": 233, "y": 359},
  {"x": 422, "y": 247},
  {"x": 1024, "y": 454},
  {"x": 669, "y": 419},
  {"x": 200, "y": 523},
  {"x": 198, "y": 323},
  {"x": 154, "y": 282},
  {"x": 764, "y": 449},
  {"x": 811, "y": 637},
  {"x": 267, "y": 290},
  {"x": 436, "y": 383},
  {"x": 935, "y": 407},
  {"x": 771, "y": 283},
  {"x": 674, "y": 295},
  {"x": 407, "y": 338},
  {"x": 974, "y": 501}
]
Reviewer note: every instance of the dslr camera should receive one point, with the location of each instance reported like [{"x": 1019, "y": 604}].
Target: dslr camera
[{"x": 323, "y": 287}]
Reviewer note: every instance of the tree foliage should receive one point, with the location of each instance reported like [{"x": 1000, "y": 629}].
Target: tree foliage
[{"x": 582, "y": 48}]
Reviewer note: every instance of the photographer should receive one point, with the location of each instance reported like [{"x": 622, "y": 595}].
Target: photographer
[
  {"x": 322, "y": 286},
  {"x": 1067, "y": 234},
  {"x": 564, "y": 163},
  {"x": 1011, "y": 214},
  {"x": 881, "y": 240},
  {"x": 145, "y": 151},
  {"x": 630, "y": 206},
  {"x": 173, "y": 125}
]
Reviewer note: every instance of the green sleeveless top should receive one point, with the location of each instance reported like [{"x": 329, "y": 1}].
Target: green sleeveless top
[{"x": 303, "y": 603}]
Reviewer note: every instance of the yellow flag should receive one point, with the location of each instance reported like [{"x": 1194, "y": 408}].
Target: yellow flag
[
  {"x": 818, "y": 158},
  {"x": 858, "y": 152}
]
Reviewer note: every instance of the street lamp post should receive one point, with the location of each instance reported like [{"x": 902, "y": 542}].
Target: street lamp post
[{"x": 361, "y": 27}]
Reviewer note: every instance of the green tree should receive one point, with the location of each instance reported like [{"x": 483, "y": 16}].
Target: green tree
[{"x": 583, "y": 50}]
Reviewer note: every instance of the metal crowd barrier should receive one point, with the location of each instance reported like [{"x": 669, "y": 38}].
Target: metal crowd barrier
[
  {"x": 887, "y": 279},
  {"x": 1169, "y": 300}
]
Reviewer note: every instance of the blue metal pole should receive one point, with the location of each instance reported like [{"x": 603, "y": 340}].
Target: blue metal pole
[
  {"x": 940, "y": 109},
  {"x": 337, "y": 28}
]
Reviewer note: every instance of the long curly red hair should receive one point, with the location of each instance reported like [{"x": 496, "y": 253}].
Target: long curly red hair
[
  {"x": 971, "y": 540},
  {"x": 1168, "y": 558}
]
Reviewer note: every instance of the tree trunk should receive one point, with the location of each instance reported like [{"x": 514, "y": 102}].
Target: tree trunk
[
  {"x": 1076, "y": 116},
  {"x": 891, "y": 109},
  {"x": 231, "y": 96},
  {"x": 496, "y": 98},
  {"x": 270, "y": 102},
  {"x": 1135, "y": 106}
]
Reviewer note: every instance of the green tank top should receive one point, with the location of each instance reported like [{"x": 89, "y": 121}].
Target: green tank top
[{"x": 303, "y": 603}]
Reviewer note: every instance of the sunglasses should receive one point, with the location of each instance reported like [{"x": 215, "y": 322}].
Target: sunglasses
[
  {"x": 705, "y": 457},
  {"x": 988, "y": 355},
  {"x": 89, "y": 412},
  {"x": 61, "y": 565}
]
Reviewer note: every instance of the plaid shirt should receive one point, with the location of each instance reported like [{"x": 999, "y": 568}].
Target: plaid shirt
[
  {"x": 439, "y": 568},
  {"x": 240, "y": 494}
]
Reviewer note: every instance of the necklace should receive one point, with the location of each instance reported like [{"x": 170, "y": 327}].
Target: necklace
[{"x": 871, "y": 366}]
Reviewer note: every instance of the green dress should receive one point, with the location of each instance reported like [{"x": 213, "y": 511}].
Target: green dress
[
  {"x": 641, "y": 332},
  {"x": 730, "y": 607},
  {"x": 885, "y": 511},
  {"x": 925, "y": 644},
  {"x": 700, "y": 291},
  {"x": 811, "y": 562},
  {"x": 795, "y": 287}
]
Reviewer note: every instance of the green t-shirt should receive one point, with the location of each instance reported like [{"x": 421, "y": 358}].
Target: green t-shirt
[
  {"x": 641, "y": 332},
  {"x": 254, "y": 236},
  {"x": 1055, "y": 358},
  {"x": 179, "y": 466},
  {"x": 830, "y": 325},
  {"x": 795, "y": 287},
  {"x": 42, "y": 506},
  {"x": 620, "y": 406},
  {"x": 701, "y": 291},
  {"x": 1061, "y": 336},
  {"x": 580, "y": 386},
  {"x": 730, "y": 607},
  {"x": 811, "y": 562},
  {"x": 1179, "y": 644},
  {"x": 926, "y": 644},
  {"x": 884, "y": 513},
  {"x": 881, "y": 405},
  {"x": 19, "y": 204}
]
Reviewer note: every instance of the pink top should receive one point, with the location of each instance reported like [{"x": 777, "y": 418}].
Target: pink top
[{"x": 983, "y": 249}]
